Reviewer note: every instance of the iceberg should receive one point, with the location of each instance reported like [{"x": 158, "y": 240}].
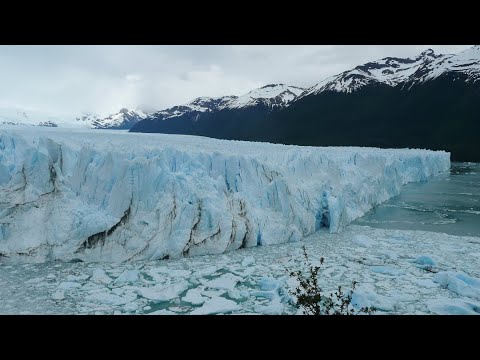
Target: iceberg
[{"x": 83, "y": 195}]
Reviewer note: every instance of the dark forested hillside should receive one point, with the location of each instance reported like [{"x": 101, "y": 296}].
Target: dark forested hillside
[{"x": 441, "y": 114}]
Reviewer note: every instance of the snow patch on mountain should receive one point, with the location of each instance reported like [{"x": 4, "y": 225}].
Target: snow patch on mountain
[
  {"x": 199, "y": 105},
  {"x": 275, "y": 95}
]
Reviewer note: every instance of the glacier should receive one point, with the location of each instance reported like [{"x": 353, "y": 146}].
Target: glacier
[{"x": 113, "y": 196}]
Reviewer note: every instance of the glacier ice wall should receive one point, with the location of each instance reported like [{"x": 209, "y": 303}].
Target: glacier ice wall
[{"x": 114, "y": 196}]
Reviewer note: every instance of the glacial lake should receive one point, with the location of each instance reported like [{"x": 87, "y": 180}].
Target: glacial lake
[{"x": 447, "y": 203}]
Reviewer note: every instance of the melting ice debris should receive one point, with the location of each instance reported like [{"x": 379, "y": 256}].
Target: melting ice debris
[
  {"x": 275, "y": 307},
  {"x": 162, "y": 312},
  {"x": 128, "y": 276},
  {"x": 119, "y": 197},
  {"x": 194, "y": 296},
  {"x": 130, "y": 307},
  {"x": 34, "y": 281},
  {"x": 363, "y": 241},
  {"x": 162, "y": 293},
  {"x": 80, "y": 277},
  {"x": 362, "y": 298},
  {"x": 68, "y": 285},
  {"x": 226, "y": 281},
  {"x": 58, "y": 295},
  {"x": 216, "y": 305},
  {"x": 213, "y": 293},
  {"x": 264, "y": 291},
  {"x": 269, "y": 284},
  {"x": 248, "y": 260},
  {"x": 269, "y": 289},
  {"x": 426, "y": 262},
  {"x": 447, "y": 306},
  {"x": 460, "y": 283},
  {"x": 105, "y": 297},
  {"x": 387, "y": 270},
  {"x": 100, "y": 277},
  {"x": 208, "y": 270}
]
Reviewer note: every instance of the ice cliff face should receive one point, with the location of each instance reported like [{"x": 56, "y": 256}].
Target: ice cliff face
[{"x": 119, "y": 197}]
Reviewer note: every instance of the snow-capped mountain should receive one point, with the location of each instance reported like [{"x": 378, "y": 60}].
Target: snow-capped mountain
[
  {"x": 124, "y": 119},
  {"x": 86, "y": 119},
  {"x": 199, "y": 105},
  {"x": 393, "y": 71},
  {"x": 47, "y": 124},
  {"x": 17, "y": 116},
  {"x": 197, "y": 116},
  {"x": 273, "y": 96},
  {"x": 428, "y": 101}
]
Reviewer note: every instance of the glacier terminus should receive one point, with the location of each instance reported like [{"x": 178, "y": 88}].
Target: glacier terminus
[{"x": 113, "y": 196}]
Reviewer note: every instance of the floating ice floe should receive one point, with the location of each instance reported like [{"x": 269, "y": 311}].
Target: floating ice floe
[
  {"x": 100, "y": 277},
  {"x": 128, "y": 276},
  {"x": 162, "y": 293},
  {"x": 460, "y": 283},
  {"x": 216, "y": 305},
  {"x": 226, "y": 281}
]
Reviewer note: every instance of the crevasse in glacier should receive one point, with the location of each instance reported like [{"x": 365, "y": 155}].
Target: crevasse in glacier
[{"x": 115, "y": 196}]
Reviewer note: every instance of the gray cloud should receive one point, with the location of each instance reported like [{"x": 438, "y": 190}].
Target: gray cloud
[{"x": 102, "y": 79}]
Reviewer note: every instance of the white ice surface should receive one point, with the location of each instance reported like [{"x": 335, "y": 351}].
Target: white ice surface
[{"x": 99, "y": 195}]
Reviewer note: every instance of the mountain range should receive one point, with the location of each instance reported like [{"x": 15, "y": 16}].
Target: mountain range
[
  {"x": 123, "y": 120},
  {"x": 429, "y": 101},
  {"x": 228, "y": 117}
]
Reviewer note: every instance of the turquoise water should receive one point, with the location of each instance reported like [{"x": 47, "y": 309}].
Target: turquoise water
[{"x": 448, "y": 203}]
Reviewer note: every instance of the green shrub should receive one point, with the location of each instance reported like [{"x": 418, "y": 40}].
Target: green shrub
[{"x": 312, "y": 301}]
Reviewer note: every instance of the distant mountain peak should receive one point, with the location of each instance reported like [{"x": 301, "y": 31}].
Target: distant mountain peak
[
  {"x": 272, "y": 95},
  {"x": 393, "y": 71},
  {"x": 18, "y": 116},
  {"x": 271, "y": 85},
  {"x": 427, "y": 52},
  {"x": 266, "y": 99},
  {"x": 198, "y": 105},
  {"x": 280, "y": 85},
  {"x": 124, "y": 119}
]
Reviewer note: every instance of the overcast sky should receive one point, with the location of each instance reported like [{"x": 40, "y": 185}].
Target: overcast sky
[{"x": 70, "y": 80}]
